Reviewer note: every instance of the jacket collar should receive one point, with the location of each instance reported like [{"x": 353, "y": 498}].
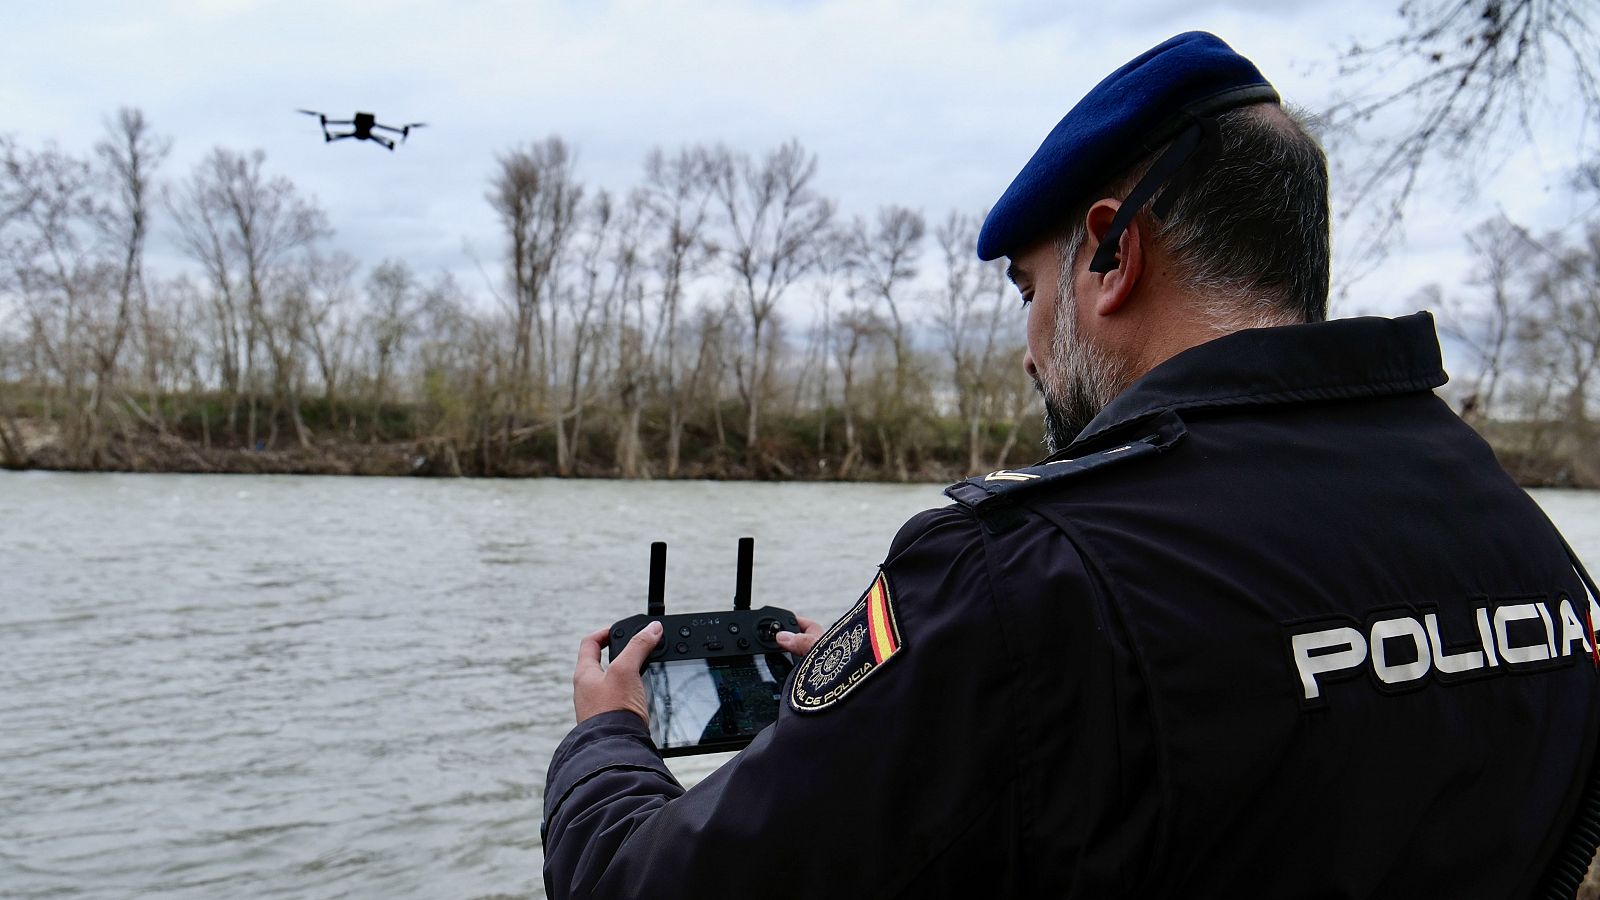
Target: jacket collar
[{"x": 1340, "y": 359}]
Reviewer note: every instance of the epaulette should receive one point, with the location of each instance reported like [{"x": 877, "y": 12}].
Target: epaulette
[{"x": 993, "y": 497}]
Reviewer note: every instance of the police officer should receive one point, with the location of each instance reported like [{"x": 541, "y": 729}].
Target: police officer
[{"x": 1270, "y": 621}]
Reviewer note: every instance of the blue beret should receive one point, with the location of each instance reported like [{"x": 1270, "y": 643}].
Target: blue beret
[{"x": 1126, "y": 116}]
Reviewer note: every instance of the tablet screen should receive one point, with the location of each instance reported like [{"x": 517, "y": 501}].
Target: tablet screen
[{"x": 706, "y": 705}]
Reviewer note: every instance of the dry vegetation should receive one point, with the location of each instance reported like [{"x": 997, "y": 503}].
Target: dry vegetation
[
  {"x": 718, "y": 320},
  {"x": 641, "y": 334},
  {"x": 1528, "y": 329}
]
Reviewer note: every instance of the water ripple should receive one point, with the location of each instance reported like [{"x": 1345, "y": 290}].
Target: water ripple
[{"x": 350, "y": 687}]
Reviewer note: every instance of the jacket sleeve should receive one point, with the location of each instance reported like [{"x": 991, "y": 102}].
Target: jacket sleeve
[{"x": 853, "y": 799}]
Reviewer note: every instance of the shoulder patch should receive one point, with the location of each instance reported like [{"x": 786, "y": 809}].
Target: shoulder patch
[{"x": 859, "y": 644}]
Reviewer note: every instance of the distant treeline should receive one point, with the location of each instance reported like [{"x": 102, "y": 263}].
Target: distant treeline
[
  {"x": 1527, "y": 330},
  {"x": 636, "y": 333},
  {"x": 640, "y": 333}
]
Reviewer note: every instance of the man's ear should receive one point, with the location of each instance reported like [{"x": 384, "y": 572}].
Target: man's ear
[{"x": 1114, "y": 288}]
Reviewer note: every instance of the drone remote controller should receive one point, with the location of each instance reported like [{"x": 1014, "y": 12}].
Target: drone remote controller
[
  {"x": 741, "y": 631},
  {"x": 716, "y": 678}
]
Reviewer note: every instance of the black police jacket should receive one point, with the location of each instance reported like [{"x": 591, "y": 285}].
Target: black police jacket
[{"x": 1277, "y": 625}]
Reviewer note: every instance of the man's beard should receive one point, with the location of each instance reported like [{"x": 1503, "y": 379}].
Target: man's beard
[{"x": 1078, "y": 380}]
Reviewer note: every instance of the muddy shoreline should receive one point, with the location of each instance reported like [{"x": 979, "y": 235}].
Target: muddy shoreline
[{"x": 36, "y": 445}]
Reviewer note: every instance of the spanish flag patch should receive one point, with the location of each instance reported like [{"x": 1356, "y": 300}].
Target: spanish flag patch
[{"x": 856, "y": 646}]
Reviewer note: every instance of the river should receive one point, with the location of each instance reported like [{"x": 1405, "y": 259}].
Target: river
[{"x": 328, "y": 687}]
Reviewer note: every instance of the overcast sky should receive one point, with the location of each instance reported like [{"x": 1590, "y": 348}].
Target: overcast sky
[{"x": 932, "y": 105}]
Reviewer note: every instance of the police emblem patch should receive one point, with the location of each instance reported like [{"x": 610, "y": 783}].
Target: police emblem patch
[{"x": 856, "y": 646}]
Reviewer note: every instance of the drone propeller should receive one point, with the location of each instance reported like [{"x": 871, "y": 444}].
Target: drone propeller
[
  {"x": 312, "y": 112},
  {"x": 405, "y": 130}
]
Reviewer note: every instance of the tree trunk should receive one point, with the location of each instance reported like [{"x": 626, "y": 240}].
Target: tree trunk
[
  {"x": 974, "y": 445},
  {"x": 674, "y": 438},
  {"x": 11, "y": 451},
  {"x": 753, "y": 397}
]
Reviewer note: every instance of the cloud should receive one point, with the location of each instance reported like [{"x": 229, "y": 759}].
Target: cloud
[{"x": 933, "y": 105}]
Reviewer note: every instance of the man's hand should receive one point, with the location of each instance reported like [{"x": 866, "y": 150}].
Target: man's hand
[
  {"x": 618, "y": 686},
  {"x": 801, "y": 644}
]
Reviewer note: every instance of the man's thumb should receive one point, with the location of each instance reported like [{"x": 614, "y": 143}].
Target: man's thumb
[{"x": 639, "y": 647}]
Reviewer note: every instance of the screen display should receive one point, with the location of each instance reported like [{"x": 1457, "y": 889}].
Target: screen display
[{"x": 702, "y": 705}]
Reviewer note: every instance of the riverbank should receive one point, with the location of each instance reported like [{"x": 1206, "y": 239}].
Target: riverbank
[
  {"x": 788, "y": 456},
  {"x": 1534, "y": 455},
  {"x": 1546, "y": 454}
]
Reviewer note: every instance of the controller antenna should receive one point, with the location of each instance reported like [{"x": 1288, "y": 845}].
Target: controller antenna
[
  {"x": 741, "y": 589},
  {"x": 658, "y": 579}
]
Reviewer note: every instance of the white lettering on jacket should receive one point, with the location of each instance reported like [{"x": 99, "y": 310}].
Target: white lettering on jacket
[{"x": 1400, "y": 649}]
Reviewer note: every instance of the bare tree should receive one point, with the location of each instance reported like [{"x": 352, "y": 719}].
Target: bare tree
[
  {"x": 972, "y": 319},
  {"x": 771, "y": 215},
  {"x": 171, "y": 352},
  {"x": 285, "y": 314},
  {"x": 62, "y": 284},
  {"x": 1531, "y": 331},
  {"x": 883, "y": 261},
  {"x": 463, "y": 360},
  {"x": 392, "y": 300},
  {"x": 15, "y": 192},
  {"x": 832, "y": 252},
  {"x": 1568, "y": 294},
  {"x": 636, "y": 330},
  {"x": 1488, "y": 326},
  {"x": 854, "y": 331},
  {"x": 1467, "y": 78},
  {"x": 15, "y": 197},
  {"x": 677, "y": 196},
  {"x": 243, "y": 227},
  {"x": 715, "y": 327},
  {"x": 130, "y": 154},
  {"x": 599, "y": 302},
  {"x": 328, "y": 290},
  {"x": 536, "y": 195}
]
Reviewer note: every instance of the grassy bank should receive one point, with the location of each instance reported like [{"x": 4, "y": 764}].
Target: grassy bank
[
  {"x": 213, "y": 434},
  {"x": 1547, "y": 454}
]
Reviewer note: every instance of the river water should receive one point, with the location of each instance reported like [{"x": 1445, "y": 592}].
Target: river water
[{"x": 328, "y": 687}]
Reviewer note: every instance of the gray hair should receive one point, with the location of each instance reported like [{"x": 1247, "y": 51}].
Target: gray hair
[
  {"x": 1078, "y": 378},
  {"x": 1249, "y": 235}
]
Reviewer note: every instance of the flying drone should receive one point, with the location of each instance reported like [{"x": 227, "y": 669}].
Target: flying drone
[{"x": 363, "y": 124}]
